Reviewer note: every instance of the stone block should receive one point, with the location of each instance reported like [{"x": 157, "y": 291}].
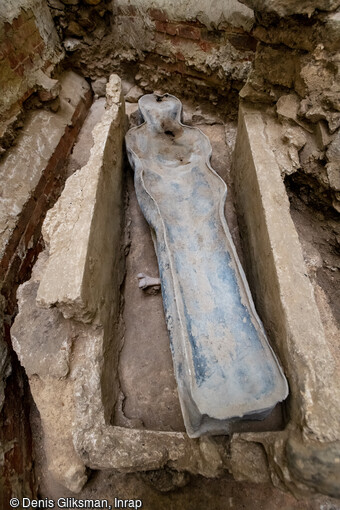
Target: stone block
[
  {"x": 79, "y": 267},
  {"x": 45, "y": 352},
  {"x": 36, "y": 331},
  {"x": 248, "y": 461}
]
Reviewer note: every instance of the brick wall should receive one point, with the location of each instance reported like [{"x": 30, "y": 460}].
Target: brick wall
[{"x": 220, "y": 58}]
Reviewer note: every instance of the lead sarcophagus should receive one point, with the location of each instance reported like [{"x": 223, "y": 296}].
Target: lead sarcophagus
[{"x": 226, "y": 370}]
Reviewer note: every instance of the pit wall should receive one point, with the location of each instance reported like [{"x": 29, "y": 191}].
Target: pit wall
[
  {"x": 191, "y": 46},
  {"x": 296, "y": 70},
  {"x": 29, "y": 51}
]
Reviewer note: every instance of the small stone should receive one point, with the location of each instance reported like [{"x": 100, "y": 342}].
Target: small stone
[
  {"x": 99, "y": 87},
  {"x": 331, "y": 99},
  {"x": 127, "y": 86},
  {"x": 333, "y": 152},
  {"x": 48, "y": 89},
  {"x": 249, "y": 93},
  {"x": 333, "y": 174},
  {"x": 333, "y": 120},
  {"x": 99, "y": 32},
  {"x": 74, "y": 28},
  {"x": 295, "y": 137},
  {"x": 71, "y": 44},
  {"x": 315, "y": 114},
  {"x": 54, "y": 105},
  {"x": 56, "y": 4},
  {"x": 287, "y": 106},
  {"x": 336, "y": 205},
  {"x": 134, "y": 94},
  {"x": 92, "y": 2},
  {"x": 322, "y": 134}
]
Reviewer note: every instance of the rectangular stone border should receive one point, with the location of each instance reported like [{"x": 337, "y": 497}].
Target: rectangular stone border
[{"x": 302, "y": 456}]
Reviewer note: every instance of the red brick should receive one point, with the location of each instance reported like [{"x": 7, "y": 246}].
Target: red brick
[
  {"x": 160, "y": 26},
  {"x": 40, "y": 49},
  {"x": 27, "y": 29},
  {"x": 18, "y": 40},
  {"x": 6, "y": 47},
  {"x": 8, "y": 29},
  {"x": 206, "y": 46},
  {"x": 27, "y": 64},
  {"x": 179, "y": 56},
  {"x": 13, "y": 60},
  {"x": 210, "y": 36},
  {"x": 182, "y": 41},
  {"x": 35, "y": 39},
  {"x": 158, "y": 14},
  {"x": 20, "y": 70},
  {"x": 171, "y": 29},
  {"x": 243, "y": 41},
  {"x": 17, "y": 22},
  {"x": 127, "y": 10},
  {"x": 32, "y": 42},
  {"x": 21, "y": 55},
  {"x": 160, "y": 37},
  {"x": 189, "y": 32}
]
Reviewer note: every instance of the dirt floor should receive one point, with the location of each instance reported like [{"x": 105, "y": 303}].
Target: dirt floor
[{"x": 148, "y": 389}]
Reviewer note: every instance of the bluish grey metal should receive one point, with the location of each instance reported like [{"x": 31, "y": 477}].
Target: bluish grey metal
[{"x": 225, "y": 368}]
